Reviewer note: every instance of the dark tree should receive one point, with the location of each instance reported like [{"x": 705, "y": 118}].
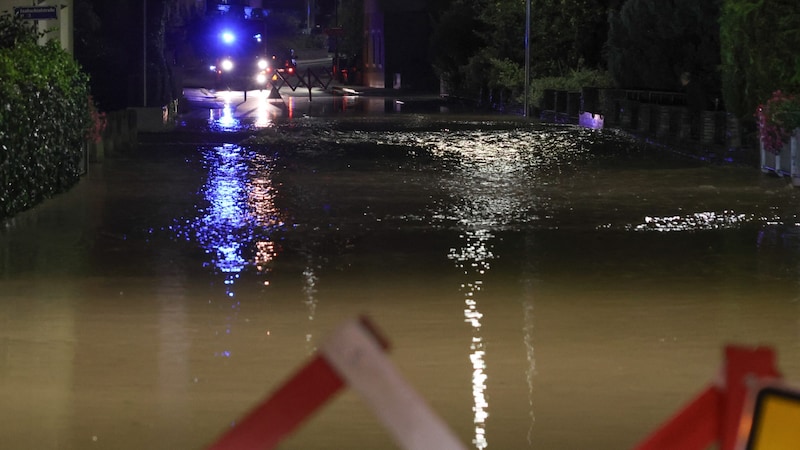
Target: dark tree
[
  {"x": 350, "y": 18},
  {"x": 760, "y": 42},
  {"x": 566, "y": 35},
  {"x": 651, "y": 43},
  {"x": 479, "y": 44},
  {"x": 455, "y": 41},
  {"x": 109, "y": 44}
]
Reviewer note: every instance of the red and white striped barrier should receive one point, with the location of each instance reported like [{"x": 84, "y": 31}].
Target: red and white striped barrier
[{"x": 354, "y": 355}]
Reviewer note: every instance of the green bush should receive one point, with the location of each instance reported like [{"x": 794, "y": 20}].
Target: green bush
[
  {"x": 45, "y": 115},
  {"x": 573, "y": 82},
  {"x": 760, "y": 42}
]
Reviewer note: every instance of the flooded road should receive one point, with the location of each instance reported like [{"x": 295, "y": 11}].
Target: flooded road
[{"x": 543, "y": 287}]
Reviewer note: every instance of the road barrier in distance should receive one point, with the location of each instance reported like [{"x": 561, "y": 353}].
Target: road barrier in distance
[{"x": 309, "y": 79}]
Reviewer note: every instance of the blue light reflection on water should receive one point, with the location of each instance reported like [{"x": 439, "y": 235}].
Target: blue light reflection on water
[
  {"x": 238, "y": 215},
  {"x": 234, "y": 225}
]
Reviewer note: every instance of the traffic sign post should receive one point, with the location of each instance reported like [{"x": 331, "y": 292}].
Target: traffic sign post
[
  {"x": 773, "y": 416},
  {"x": 36, "y": 12},
  {"x": 728, "y": 415}
]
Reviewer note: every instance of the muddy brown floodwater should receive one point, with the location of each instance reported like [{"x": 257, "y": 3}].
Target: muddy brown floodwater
[{"x": 543, "y": 287}]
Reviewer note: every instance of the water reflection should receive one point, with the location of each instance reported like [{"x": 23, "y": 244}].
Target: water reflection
[
  {"x": 708, "y": 220},
  {"x": 235, "y": 224},
  {"x": 473, "y": 259},
  {"x": 224, "y": 119},
  {"x": 528, "y": 295},
  {"x": 484, "y": 200},
  {"x": 257, "y": 110},
  {"x": 265, "y": 112},
  {"x": 310, "y": 291}
]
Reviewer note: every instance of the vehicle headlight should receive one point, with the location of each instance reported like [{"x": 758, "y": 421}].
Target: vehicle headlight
[
  {"x": 262, "y": 64},
  {"x": 227, "y": 65},
  {"x": 261, "y": 78}
]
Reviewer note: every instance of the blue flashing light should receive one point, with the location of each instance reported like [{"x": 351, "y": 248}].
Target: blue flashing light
[{"x": 228, "y": 37}]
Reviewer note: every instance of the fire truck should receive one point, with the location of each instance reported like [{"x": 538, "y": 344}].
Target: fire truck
[{"x": 241, "y": 57}]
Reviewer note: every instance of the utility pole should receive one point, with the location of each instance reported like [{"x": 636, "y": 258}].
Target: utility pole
[
  {"x": 310, "y": 8},
  {"x": 527, "y": 55},
  {"x": 144, "y": 53}
]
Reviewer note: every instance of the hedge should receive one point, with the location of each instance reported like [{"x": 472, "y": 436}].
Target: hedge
[{"x": 45, "y": 115}]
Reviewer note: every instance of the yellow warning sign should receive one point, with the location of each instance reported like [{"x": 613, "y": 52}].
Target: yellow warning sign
[{"x": 776, "y": 420}]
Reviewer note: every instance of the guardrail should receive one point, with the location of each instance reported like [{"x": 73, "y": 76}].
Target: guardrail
[{"x": 660, "y": 115}]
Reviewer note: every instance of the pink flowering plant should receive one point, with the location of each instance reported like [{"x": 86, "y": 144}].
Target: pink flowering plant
[{"x": 777, "y": 120}]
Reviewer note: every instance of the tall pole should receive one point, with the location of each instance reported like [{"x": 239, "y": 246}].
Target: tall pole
[
  {"x": 527, "y": 55},
  {"x": 144, "y": 53},
  {"x": 309, "y": 9}
]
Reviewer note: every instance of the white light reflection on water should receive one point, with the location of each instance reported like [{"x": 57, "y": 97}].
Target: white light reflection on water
[
  {"x": 530, "y": 372},
  {"x": 474, "y": 258},
  {"x": 698, "y": 221},
  {"x": 267, "y": 109},
  {"x": 223, "y": 119},
  {"x": 310, "y": 291},
  {"x": 484, "y": 200},
  {"x": 263, "y": 116}
]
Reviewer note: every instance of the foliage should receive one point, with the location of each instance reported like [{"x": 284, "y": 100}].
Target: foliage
[
  {"x": 777, "y": 120},
  {"x": 478, "y": 46},
  {"x": 109, "y": 45},
  {"x": 572, "y": 82},
  {"x": 566, "y": 35},
  {"x": 504, "y": 29},
  {"x": 351, "y": 17},
  {"x": 16, "y": 32},
  {"x": 760, "y": 41},
  {"x": 455, "y": 42},
  {"x": 44, "y": 118},
  {"x": 651, "y": 43},
  {"x": 506, "y": 74}
]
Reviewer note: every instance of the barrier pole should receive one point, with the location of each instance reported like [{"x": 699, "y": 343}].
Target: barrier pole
[
  {"x": 401, "y": 409},
  {"x": 695, "y": 427},
  {"x": 277, "y": 417},
  {"x": 354, "y": 355}
]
